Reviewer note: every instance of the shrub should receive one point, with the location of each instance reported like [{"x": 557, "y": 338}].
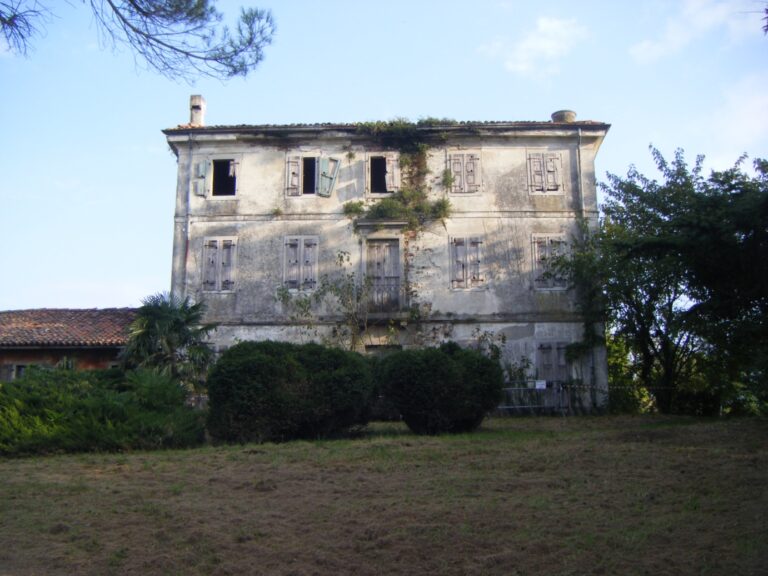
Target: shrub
[
  {"x": 64, "y": 410},
  {"x": 446, "y": 389},
  {"x": 262, "y": 391}
]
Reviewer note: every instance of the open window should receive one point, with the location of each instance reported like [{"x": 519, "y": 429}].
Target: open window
[
  {"x": 382, "y": 174},
  {"x": 219, "y": 264},
  {"x": 467, "y": 267},
  {"x": 546, "y": 249},
  {"x": 217, "y": 177},
  {"x": 300, "y": 263},
  {"x": 545, "y": 173},
  {"x": 311, "y": 175},
  {"x": 465, "y": 173}
]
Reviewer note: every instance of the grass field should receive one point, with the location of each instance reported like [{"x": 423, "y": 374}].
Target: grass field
[{"x": 610, "y": 495}]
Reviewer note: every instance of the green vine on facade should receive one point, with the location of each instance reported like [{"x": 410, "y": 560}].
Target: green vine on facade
[{"x": 410, "y": 203}]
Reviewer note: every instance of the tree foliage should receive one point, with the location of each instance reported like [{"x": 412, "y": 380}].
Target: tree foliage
[
  {"x": 682, "y": 262},
  {"x": 178, "y": 38},
  {"x": 169, "y": 334}
]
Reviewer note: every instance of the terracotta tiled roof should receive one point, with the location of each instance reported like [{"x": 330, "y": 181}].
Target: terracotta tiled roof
[{"x": 65, "y": 327}]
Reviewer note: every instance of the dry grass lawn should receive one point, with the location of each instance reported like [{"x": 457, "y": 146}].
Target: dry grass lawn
[{"x": 555, "y": 496}]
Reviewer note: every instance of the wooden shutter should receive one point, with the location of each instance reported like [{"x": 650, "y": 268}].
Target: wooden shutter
[
  {"x": 210, "y": 265},
  {"x": 309, "y": 264},
  {"x": 329, "y": 168},
  {"x": 552, "y": 172},
  {"x": 544, "y": 362},
  {"x": 456, "y": 162},
  {"x": 536, "y": 172},
  {"x": 393, "y": 173},
  {"x": 474, "y": 261},
  {"x": 227, "y": 265},
  {"x": 459, "y": 261},
  {"x": 472, "y": 173},
  {"x": 540, "y": 253},
  {"x": 293, "y": 176},
  {"x": 292, "y": 263}
]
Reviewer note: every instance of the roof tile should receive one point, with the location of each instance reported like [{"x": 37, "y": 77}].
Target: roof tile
[{"x": 65, "y": 327}]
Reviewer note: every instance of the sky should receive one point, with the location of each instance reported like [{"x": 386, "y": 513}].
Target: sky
[{"x": 88, "y": 187}]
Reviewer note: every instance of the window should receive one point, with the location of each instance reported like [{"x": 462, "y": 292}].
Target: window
[
  {"x": 222, "y": 180},
  {"x": 466, "y": 263},
  {"x": 465, "y": 173},
  {"x": 383, "y": 174},
  {"x": 551, "y": 363},
  {"x": 311, "y": 175},
  {"x": 545, "y": 173},
  {"x": 545, "y": 249},
  {"x": 300, "y": 269},
  {"x": 219, "y": 264},
  {"x": 382, "y": 271}
]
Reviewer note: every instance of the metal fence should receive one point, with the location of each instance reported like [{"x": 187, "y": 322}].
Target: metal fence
[{"x": 535, "y": 397}]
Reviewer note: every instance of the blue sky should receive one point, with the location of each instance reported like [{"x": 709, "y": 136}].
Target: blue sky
[{"x": 87, "y": 194}]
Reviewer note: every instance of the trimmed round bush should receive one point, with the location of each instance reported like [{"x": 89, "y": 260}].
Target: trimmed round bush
[
  {"x": 271, "y": 391},
  {"x": 446, "y": 389}
]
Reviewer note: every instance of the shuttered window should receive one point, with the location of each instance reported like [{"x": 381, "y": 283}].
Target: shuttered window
[
  {"x": 551, "y": 362},
  {"x": 219, "y": 264},
  {"x": 216, "y": 177},
  {"x": 307, "y": 175},
  {"x": 545, "y": 250},
  {"x": 545, "y": 173},
  {"x": 467, "y": 269},
  {"x": 300, "y": 262},
  {"x": 465, "y": 173}
]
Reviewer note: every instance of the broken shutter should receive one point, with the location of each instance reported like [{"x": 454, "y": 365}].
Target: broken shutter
[
  {"x": 393, "y": 173},
  {"x": 292, "y": 263},
  {"x": 540, "y": 255},
  {"x": 329, "y": 168},
  {"x": 309, "y": 264},
  {"x": 227, "y": 275},
  {"x": 466, "y": 262},
  {"x": 210, "y": 264},
  {"x": 292, "y": 176}
]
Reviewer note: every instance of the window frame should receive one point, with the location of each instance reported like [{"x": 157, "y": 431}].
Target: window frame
[
  {"x": 225, "y": 284},
  {"x": 202, "y": 176},
  {"x": 466, "y": 252},
  {"x": 547, "y": 160},
  {"x": 458, "y": 164},
  {"x": 392, "y": 160},
  {"x": 326, "y": 173},
  {"x": 538, "y": 259},
  {"x": 301, "y": 263}
]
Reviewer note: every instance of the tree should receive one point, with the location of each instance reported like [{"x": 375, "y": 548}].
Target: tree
[
  {"x": 168, "y": 334},
  {"x": 178, "y": 38},
  {"x": 678, "y": 270}
]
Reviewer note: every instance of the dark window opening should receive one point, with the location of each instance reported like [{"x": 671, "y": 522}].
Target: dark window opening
[
  {"x": 224, "y": 181},
  {"x": 378, "y": 174},
  {"x": 309, "y": 170}
]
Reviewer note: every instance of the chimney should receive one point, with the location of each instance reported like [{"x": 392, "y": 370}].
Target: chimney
[
  {"x": 197, "y": 110},
  {"x": 564, "y": 116}
]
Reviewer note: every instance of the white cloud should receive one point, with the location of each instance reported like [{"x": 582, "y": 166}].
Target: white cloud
[
  {"x": 538, "y": 53},
  {"x": 696, "y": 18}
]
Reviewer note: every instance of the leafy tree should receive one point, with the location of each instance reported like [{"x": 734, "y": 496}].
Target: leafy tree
[
  {"x": 178, "y": 38},
  {"x": 678, "y": 269},
  {"x": 169, "y": 334}
]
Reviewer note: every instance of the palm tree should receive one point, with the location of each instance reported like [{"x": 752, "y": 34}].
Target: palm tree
[{"x": 169, "y": 335}]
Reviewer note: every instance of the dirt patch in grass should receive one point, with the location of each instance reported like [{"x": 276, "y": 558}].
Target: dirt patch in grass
[{"x": 624, "y": 495}]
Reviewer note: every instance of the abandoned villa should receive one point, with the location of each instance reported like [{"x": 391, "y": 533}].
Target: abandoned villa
[{"x": 268, "y": 216}]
